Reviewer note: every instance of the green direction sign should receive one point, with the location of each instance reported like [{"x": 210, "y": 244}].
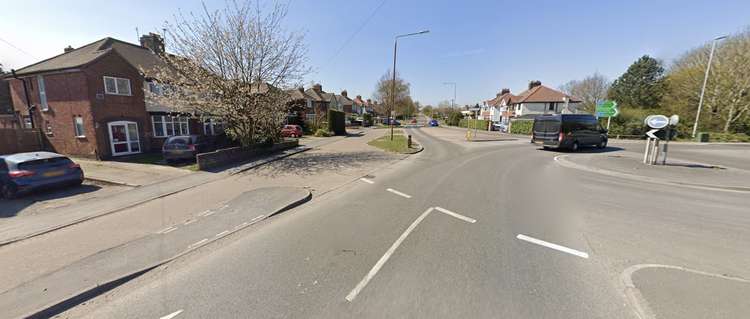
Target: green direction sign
[{"x": 607, "y": 109}]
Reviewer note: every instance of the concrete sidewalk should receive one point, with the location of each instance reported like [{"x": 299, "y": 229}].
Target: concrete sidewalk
[
  {"x": 675, "y": 172},
  {"x": 128, "y": 174}
]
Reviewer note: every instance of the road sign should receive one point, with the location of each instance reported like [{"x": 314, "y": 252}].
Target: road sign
[
  {"x": 656, "y": 121},
  {"x": 651, "y": 133},
  {"x": 674, "y": 119},
  {"x": 607, "y": 109}
]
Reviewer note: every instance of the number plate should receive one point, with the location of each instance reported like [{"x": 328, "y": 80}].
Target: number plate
[{"x": 53, "y": 173}]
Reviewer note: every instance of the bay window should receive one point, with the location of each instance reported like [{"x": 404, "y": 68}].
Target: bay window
[{"x": 167, "y": 125}]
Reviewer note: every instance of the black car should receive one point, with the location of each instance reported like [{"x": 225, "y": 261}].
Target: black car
[
  {"x": 185, "y": 147},
  {"x": 568, "y": 131}
]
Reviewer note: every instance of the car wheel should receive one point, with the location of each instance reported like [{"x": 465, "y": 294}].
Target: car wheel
[
  {"x": 602, "y": 144},
  {"x": 8, "y": 191},
  {"x": 574, "y": 147}
]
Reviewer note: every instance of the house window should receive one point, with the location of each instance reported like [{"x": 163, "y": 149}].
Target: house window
[
  {"x": 552, "y": 106},
  {"x": 166, "y": 125},
  {"x": 116, "y": 86},
  {"x": 212, "y": 126},
  {"x": 78, "y": 125},
  {"x": 42, "y": 93},
  {"x": 47, "y": 127}
]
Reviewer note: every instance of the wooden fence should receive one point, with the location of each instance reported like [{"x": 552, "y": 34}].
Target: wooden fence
[{"x": 20, "y": 140}]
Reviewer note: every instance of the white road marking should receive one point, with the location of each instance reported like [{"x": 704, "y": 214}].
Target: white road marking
[
  {"x": 167, "y": 230},
  {"x": 457, "y": 215},
  {"x": 189, "y": 221},
  {"x": 553, "y": 246},
  {"x": 172, "y": 315},
  {"x": 241, "y": 225},
  {"x": 207, "y": 213},
  {"x": 367, "y": 180},
  {"x": 398, "y": 193},
  {"x": 557, "y": 158},
  {"x": 257, "y": 217},
  {"x": 200, "y": 242},
  {"x": 353, "y": 294},
  {"x": 223, "y": 207},
  {"x": 222, "y": 233}
]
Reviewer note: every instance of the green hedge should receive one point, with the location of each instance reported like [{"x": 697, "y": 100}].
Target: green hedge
[
  {"x": 478, "y": 124},
  {"x": 454, "y": 117},
  {"x": 728, "y": 137},
  {"x": 337, "y": 122},
  {"x": 521, "y": 126},
  {"x": 367, "y": 119}
]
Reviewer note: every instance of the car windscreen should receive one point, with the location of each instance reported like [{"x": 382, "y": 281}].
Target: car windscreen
[
  {"x": 178, "y": 140},
  {"x": 42, "y": 163}
]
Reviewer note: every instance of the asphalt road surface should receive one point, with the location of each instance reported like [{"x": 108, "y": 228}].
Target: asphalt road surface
[{"x": 467, "y": 230}]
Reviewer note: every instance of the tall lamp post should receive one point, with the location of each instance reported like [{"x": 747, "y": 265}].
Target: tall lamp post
[
  {"x": 705, "y": 80},
  {"x": 393, "y": 81},
  {"x": 453, "y": 101}
]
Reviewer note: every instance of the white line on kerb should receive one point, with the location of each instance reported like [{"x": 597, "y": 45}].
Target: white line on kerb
[
  {"x": 200, "y": 242},
  {"x": 553, "y": 246},
  {"x": 457, "y": 215},
  {"x": 367, "y": 180},
  {"x": 398, "y": 193},
  {"x": 167, "y": 230},
  {"x": 353, "y": 294},
  {"x": 222, "y": 233},
  {"x": 172, "y": 315},
  {"x": 241, "y": 225},
  {"x": 257, "y": 217}
]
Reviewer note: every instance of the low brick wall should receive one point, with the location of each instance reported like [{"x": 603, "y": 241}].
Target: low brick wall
[{"x": 231, "y": 155}]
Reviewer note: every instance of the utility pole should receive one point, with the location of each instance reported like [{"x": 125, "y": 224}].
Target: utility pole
[
  {"x": 705, "y": 81},
  {"x": 393, "y": 80}
]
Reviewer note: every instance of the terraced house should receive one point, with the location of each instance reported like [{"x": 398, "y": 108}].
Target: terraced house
[{"x": 90, "y": 101}]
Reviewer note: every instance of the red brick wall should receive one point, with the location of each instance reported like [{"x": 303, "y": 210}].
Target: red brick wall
[
  {"x": 66, "y": 98},
  {"x": 108, "y": 108}
]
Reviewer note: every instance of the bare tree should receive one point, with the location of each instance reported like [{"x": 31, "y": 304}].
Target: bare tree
[
  {"x": 383, "y": 93},
  {"x": 233, "y": 63},
  {"x": 590, "y": 90}
]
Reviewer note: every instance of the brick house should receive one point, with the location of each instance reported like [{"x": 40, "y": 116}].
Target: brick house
[
  {"x": 90, "y": 101},
  {"x": 346, "y": 104}
]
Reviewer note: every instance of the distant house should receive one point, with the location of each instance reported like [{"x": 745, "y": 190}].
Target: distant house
[
  {"x": 497, "y": 109},
  {"x": 90, "y": 101},
  {"x": 320, "y": 103},
  {"x": 537, "y": 99},
  {"x": 346, "y": 104}
]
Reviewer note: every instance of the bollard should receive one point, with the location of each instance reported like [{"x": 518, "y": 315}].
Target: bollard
[{"x": 409, "y": 143}]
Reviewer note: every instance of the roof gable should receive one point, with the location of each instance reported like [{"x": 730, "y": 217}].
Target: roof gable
[{"x": 541, "y": 93}]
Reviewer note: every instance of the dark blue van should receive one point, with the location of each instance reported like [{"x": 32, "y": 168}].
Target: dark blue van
[
  {"x": 24, "y": 172},
  {"x": 568, "y": 131}
]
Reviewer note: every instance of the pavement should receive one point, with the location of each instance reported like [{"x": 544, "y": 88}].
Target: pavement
[
  {"x": 462, "y": 229},
  {"x": 128, "y": 174}
]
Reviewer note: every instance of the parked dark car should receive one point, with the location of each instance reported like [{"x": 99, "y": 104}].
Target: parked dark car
[
  {"x": 568, "y": 131},
  {"x": 433, "y": 122},
  {"x": 291, "y": 131},
  {"x": 388, "y": 122},
  {"x": 25, "y": 172},
  {"x": 185, "y": 147}
]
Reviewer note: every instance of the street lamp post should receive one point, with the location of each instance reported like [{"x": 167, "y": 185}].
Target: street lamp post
[
  {"x": 453, "y": 101},
  {"x": 705, "y": 81},
  {"x": 393, "y": 81}
]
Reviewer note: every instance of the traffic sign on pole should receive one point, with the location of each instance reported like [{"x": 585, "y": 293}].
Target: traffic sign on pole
[{"x": 607, "y": 109}]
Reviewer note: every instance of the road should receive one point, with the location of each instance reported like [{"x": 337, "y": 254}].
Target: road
[{"x": 474, "y": 230}]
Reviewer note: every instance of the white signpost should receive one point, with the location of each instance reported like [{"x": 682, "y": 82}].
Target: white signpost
[{"x": 657, "y": 123}]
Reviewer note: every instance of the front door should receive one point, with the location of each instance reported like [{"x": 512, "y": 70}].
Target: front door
[{"x": 123, "y": 137}]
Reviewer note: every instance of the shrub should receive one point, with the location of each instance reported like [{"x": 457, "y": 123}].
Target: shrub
[
  {"x": 322, "y": 133},
  {"x": 479, "y": 124},
  {"x": 728, "y": 137},
  {"x": 337, "y": 122},
  {"x": 367, "y": 119},
  {"x": 521, "y": 126},
  {"x": 454, "y": 118}
]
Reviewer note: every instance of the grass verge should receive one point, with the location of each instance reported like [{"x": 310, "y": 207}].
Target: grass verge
[{"x": 397, "y": 145}]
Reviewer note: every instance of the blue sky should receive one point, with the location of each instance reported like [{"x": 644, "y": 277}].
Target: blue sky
[{"x": 483, "y": 46}]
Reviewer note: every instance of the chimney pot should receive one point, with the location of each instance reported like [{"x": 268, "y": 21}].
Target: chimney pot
[
  {"x": 68, "y": 49},
  {"x": 317, "y": 87},
  {"x": 344, "y": 93},
  {"x": 534, "y": 84},
  {"x": 153, "y": 42},
  {"x": 504, "y": 91}
]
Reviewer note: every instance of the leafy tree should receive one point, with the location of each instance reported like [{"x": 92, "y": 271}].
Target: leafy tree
[
  {"x": 641, "y": 86},
  {"x": 590, "y": 90}
]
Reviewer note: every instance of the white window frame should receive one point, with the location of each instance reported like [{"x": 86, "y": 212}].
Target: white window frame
[
  {"x": 209, "y": 126},
  {"x": 117, "y": 90},
  {"x": 42, "y": 92},
  {"x": 175, "y": 120},
  {"x": 80, "y": 133}
]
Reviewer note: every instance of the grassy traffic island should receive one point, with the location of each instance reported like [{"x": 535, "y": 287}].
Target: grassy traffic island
[{"x": 397, "y": 145}]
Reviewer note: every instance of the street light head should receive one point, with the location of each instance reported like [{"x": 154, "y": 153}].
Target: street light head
[
  {"x": 721, "y": 37},
  {"x": 423, "y": 32}
]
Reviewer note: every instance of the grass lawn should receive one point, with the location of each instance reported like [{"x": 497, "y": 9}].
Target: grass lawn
[
  {"x": 155, "y": 158},
  {"x": 397, "y": 145}
]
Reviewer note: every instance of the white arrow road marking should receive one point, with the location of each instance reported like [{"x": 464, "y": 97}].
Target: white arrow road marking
[
  {"x": 457, "y": 215},
  {"x": 367, "y": 180},
  {"x": 398, "y": 193},
  {"x": 553, "y": 246},
  {"x": 353, "y": 294},
  {"x": 651, "y": 133},
  {"x": 172, "y": 315}
]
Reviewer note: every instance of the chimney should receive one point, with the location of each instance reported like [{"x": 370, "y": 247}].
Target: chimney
[
  {"x": 344, "y": 93},
  {"x": 68, "y": 49},
  {"x": 504, "y": 91},
  {"x": 317, "y": 88},
  {"x": 534, "y": 84},
  {"x": 359, "y": 97},
  {"x": 153, "y": 42}
]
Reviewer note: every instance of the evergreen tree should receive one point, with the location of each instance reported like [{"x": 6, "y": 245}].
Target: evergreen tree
[{"x": 641, "y": 86}]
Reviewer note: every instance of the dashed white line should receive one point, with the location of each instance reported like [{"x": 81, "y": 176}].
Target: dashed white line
[
  {"x": 166, "y": 230},
  {"x": 172, "y": 315},
  {"x": 398, "y": 193},
  {"x": 367, "y": 180},
  {"x": 207, "y": 213},
  {"x": 189, "y": 221},
  {"x": 553, "y": 246},
  {"x": 241, "y": 225},
  {"x": 200, "y": 242},
  {"x": 457, "y": 215},
  {"x": 353, "y": 294},
  {"x": 222, "y": 233},
  {"x": 257, "y": 217}
]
